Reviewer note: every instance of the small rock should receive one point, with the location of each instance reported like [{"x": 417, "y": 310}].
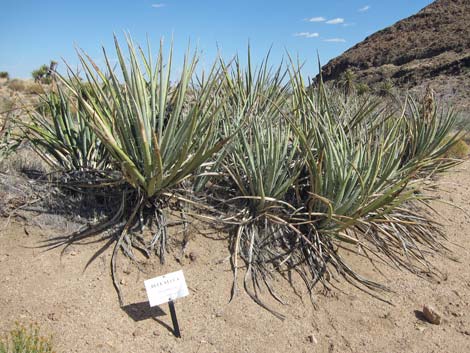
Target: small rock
[
  {"x": 466, "y": 333},
  {"x": 432, "y": 315},
  {"x": 192, "y": 256},
  {"x": 156, "y": 333},
  {"x": 52, "y": 317},
  {"x": 123, "y": 282},
  {"x": 386, "y": 315},
  {"x": 137, "y": 332},
  {"x": 312, "y": 339}
]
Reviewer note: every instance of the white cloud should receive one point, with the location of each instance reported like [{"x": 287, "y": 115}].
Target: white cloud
[
  {"x": 335, "y": 40},
  {"x": 307, "y": 34},
  {"x": 316, "y": 19},
  {"x": 364, "y": 9},
  {"x": 335, "y": 21},
  {"x": 157, "y": 6}
]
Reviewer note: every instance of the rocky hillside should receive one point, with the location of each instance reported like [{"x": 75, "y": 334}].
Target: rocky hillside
[{"x": 429, "y": 48}]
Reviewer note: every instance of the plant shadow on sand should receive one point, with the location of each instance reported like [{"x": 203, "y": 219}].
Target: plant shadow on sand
[{"x": 142, "y": 311}]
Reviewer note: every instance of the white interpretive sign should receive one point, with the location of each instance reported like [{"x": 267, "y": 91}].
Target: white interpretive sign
[{"x": 166, "y": 288}]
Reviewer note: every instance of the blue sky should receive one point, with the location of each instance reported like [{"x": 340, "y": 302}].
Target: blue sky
[{"x": 34, "y": 32}]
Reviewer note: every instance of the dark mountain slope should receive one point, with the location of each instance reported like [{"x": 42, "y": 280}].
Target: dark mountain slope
[{"x": 429, "y": 48}]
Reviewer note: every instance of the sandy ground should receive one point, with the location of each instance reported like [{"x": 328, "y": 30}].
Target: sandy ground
[{"x": 80, "y": 309}]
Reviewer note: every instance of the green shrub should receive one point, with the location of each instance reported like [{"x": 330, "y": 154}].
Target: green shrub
[
  {"x": 46, "y": 80},
  {"x": 362, "y": 88},
  {"x": 385, "y": 88},
  {"x": 347, "y": 82},
  {"x": 26, "y": 340},
  {"x": 8, "y": 144},
  {"x": 4, "y": 74},
  {"x": 40, "y": 73}
]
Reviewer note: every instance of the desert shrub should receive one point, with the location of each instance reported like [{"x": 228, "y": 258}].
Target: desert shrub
[
  {"x": 34, "y": 88},
  {"x": 25, "y": 86},
  {"x": 8, "y": 143},
  {"x": 40, "y": 73},
  {"x": 17, "y": 85},
  {"x": 26, "y": 340},
  {"x": 44, "y": 73},
  {"x": 46, "y": 80},
  {"x": 385, "y": 88},
  {"x": 347, "y": 82},
  {"x": 362, "y": 89},
  {"x": 6, "y": 105},
  {"x": 4, "y": 75}
]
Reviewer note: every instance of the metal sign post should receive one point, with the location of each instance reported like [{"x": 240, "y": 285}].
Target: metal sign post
[
  {"x": 174, "y": 319},
  {"x": 165, "y": 289}
]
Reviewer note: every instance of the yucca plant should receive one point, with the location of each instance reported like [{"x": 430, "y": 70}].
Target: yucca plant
[
  {"x": 59, "y": 133},
  {"x": 428, "y": 130},
  {"x": 357, "y": 191},
  {"x": 342, "y": 183},
  {"x": 255, "y": 89},
  {"x": 154, "y": 133},
  {"x": 246, "y": 93},
  {"x": 263, "y": 166}
]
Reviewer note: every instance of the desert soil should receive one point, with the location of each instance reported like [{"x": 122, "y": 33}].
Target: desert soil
[{"x": 80, "y": 309}]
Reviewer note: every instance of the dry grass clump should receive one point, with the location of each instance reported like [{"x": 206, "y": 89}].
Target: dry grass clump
[
  {"x": 26, "y": 340},
  {"x": 27, "y": 87},
  {"x": 17, "y": 85},
  {"x": 34, "y": 88},
  {"x": 297, "y": 172}
]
